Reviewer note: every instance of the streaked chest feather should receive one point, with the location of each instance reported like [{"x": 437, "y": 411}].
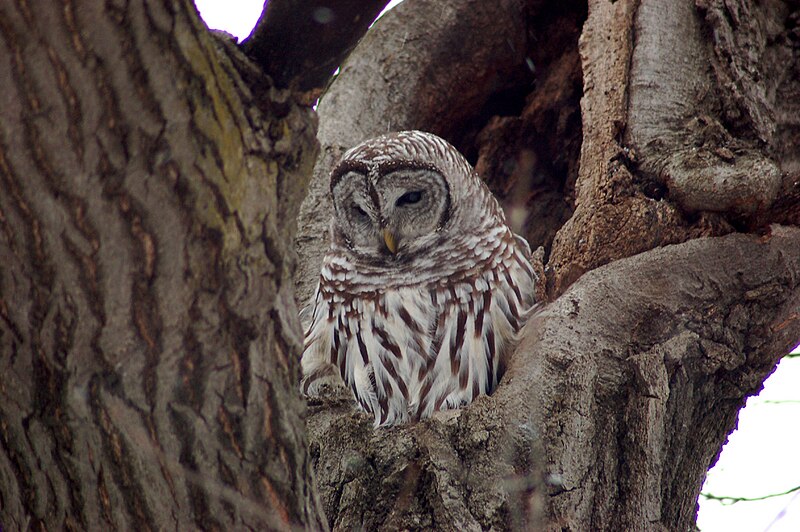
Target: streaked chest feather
[{"x": 406, "y": 351}]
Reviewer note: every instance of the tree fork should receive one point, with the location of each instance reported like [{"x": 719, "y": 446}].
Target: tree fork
[{"x": 643, "y": 338}]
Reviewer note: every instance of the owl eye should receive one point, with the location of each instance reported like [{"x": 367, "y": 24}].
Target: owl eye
[
  {"x": 358, "y": 211},
  {"x": 409, "y": 198}
]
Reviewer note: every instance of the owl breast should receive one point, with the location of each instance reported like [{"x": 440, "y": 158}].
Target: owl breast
[{"x": 420, "y": 342}]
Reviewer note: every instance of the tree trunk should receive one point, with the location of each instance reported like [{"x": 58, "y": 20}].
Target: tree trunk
[
  {"x": 150, "y": 175},
  {"x": 149, "y": 333},
  {"x": 647, "y": 146}
]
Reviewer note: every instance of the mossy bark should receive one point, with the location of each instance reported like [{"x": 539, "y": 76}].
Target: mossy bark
[{"x": 149, "y": 334}]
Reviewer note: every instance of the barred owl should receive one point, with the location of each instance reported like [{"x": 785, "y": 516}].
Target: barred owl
[{"x": 424, "y": 286}]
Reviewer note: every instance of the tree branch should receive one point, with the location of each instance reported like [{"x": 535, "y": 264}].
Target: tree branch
[
  {"x": 673, "y": 125},
  {"x": 300, "y": 43},
  {"x": 638, "y": 369}
]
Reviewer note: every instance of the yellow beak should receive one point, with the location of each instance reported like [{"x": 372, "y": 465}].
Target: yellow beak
[{"x": 391, "y": 243}]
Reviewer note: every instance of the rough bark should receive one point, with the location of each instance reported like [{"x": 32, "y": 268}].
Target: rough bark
[
  {"x": 673, "y": 341},
  {"x": 148, "y": 330},
  {"x": 723, "y": 137},
  {"x": 662, "y": 321},
  {"x": 150, "y": 178}
]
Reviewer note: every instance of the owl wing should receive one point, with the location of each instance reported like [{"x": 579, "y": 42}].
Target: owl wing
[
  {"x": 315, "y": 362},
  {"x": 532, "y": 306},
  {"x": 523, "y": 245}
]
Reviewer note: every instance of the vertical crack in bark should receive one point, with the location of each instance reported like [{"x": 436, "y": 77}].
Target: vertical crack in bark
[
  {"x": 123, "y": 470},
  {"x": 144, "y": 301}
]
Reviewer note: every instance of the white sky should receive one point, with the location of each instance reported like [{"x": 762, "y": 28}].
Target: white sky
[
  {"x": 761, "y": 456},
  {"x": 238, "y": 17}
]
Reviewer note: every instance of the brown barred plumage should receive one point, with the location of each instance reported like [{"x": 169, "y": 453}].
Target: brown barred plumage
[{"x": 424, "y": 287}]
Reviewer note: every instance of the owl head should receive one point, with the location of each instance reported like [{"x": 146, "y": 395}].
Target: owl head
[{"x": 400, "y": 194}]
